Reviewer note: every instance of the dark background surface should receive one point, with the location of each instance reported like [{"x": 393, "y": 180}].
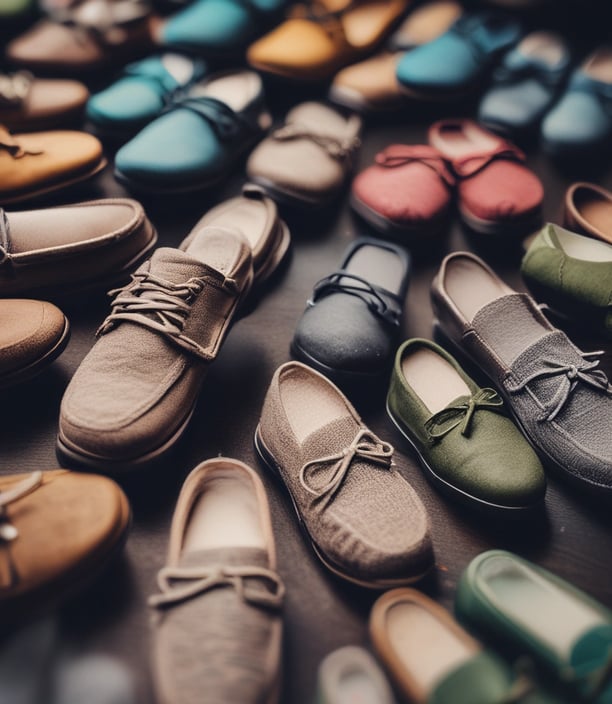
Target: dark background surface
[{"x": 571, "y": 537}]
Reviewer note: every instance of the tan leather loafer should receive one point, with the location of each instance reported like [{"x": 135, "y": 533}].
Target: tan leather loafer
[
  {"x": 588, "y": 210},
  {"x": 32, "y": 335},
  {"x": 37, "y": 164},
  {"x": 58, "y": 251},
  {"x": 58, "y": 529}
]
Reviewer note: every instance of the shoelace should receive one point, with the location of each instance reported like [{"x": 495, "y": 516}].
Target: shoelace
[
  {"x": 593, "y": 683},
  {"x": 10, "y": 145},
  {"x": 14, "y": 87},
  {"x": 202, "y": 579},
  {"x": 442, "y": 422},
  {"x": 392, "y": 158},
  {"x": 474, "y": 163},
  {"x": 365, "y": 445},
  {"x": 165, "y": 307},
  {"x": 570, "y": 376},
  {"x": 382, "y": 305},
  {"x": 471, "y": 27},
  {"x": 337, "y": 148},
  {"x": 8, "y": 532},
  {"x": 226, "y": 123},
  {"x": 508, "y": 75}
]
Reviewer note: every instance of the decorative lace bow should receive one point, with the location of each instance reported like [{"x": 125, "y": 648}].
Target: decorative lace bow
[
  {"x": 384, "y": 306},
  {"x": 474, "y": 163},
  {"x": 366, "y": 446},
  {"x": 165, "y": 307},
  {"x": 337, "y": 148},
  {"x": 442, "y": 422},
  {"x": 226, "y": 123},
  {"x": 570, "y": 376},
  {"x": 396, "y": 156},
  {"x": 8, "y": 144},
  {"x": 202, "y": 579},
  {"x": 8, "y": 532}
]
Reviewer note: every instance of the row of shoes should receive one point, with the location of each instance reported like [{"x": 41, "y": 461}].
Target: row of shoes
[{"x": 218, "y": 625}]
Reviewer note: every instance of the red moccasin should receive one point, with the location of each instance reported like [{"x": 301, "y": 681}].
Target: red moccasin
[
  {"x": 406, "y": 193},
  {"x": 497, "y": 193}
]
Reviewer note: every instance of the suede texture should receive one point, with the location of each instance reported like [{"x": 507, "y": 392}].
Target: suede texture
[
  {"x": 492, "y": 462},
  {"x": 138, "y": 384},
  {"x": 66, "y": 527},
  {"x": 374, "y": 527},
  {"x": 28, "y": 331},
  {"x": 576, "y": 287}
]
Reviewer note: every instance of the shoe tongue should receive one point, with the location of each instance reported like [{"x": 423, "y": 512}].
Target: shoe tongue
[
  {"x": 177, "y": 267},
  {"x": 230, "y": 556}
]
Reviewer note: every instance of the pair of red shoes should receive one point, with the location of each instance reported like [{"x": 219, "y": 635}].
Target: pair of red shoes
[{"x": 408, "y": 192}]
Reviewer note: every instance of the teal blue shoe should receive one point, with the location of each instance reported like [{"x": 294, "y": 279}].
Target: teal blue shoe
[
  {"x": 541, "y": 616},
  {"x": 580, "y": 124},
  {"x": 143, "y": 90},
  {"x": 218, "y": 27},
  {"x": 198, "y": 138},
  {"x": 454, "y": 64}
]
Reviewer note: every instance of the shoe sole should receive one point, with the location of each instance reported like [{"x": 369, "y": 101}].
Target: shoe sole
[
  {"x": 402, "y": 233},
  {"x": 596, "y": 490},
  {"x": 51, "y": 595},
  {"x": 513, "y": 229},
  {"x": 466, "y": 499},
  {"x": 23, "y": 196},
  {"x": 40, "y": 364},
  {"x": 268, "y": 460}
]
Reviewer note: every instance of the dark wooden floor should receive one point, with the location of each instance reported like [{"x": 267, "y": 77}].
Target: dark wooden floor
[{"x": 572, "y": 536}]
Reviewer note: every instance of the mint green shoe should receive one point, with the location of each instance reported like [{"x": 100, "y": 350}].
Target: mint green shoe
[
  {"x": 541, "y": 615},
  {"x": 433, "y": 660},
  {"x": 572, "y": 274},
  {"x": 467, "y": 445}
]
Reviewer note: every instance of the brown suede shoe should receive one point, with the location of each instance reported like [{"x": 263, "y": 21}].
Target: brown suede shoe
[
  {"x": 365, "y": 522},
  {"x": 133, "y": 395},
  {"x": 62, "y": 250},
  {"x": 32, "y": 104},
  {"x": 32, "y": 165},
  {"x": 221, "y": 596},
  {"x": 57, "y": 530},
  {"x": 32, "y": 335}
]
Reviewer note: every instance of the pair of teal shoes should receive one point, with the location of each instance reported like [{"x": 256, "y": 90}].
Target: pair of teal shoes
[{"x": 193, "y": 129}]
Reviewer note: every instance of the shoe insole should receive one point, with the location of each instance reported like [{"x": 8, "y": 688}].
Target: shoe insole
[
  {"x": 356, "y": 687},
  {"x": 544, "y": 46},
  {"x": 247, "y": 215},
  {"x": 433, "y": 379},
  {"x": 31, "y": 230},
  {"x": 309, "y": 402},
  {"x": 225, "y": 514},
  {"x": 595, "y": 209},
  {"x": 470, "y": 287},
  {"x": 236, "y": 90},
  {"x": 378, "y": 265},
  {"x": 368, "y": 22},
  {"x": 427, "y": 648},
  {"x": 179, "y": 67},
  {"x": 216, "y": 247},
  {"x": 599, "y": 65},
  {"x": 579, "y": 247},
  {"x": 459, "y": 139},
  {"x": 536, "y": 605}
]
